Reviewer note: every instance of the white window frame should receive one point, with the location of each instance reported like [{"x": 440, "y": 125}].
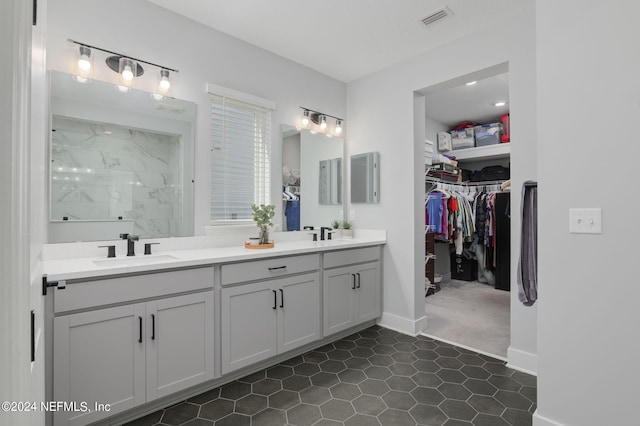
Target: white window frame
[{"x": 222, "y": 98}]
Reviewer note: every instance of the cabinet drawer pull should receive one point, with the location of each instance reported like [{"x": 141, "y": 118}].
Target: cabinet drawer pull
[
  {"x": 358, "y": 274},
  {"x": 153, "y": 327},
  {"x": 140, "y": 325},
  {"x": 281, "y": 298},
  {"x": 353, "y": 281},
  {"x": 275, "y": 299},
  {"x": 273, "y": 268}
]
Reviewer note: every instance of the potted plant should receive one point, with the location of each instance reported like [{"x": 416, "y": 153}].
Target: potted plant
[
  {"x": 347, "y": 232},
  {"x": 335, "y": 225},
  {"x": 263, "y": 214}
]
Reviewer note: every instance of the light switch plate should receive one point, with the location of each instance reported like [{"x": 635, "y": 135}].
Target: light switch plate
[
  {"x": 585, "y": 221},
  {"x": 352, "y": 215}
]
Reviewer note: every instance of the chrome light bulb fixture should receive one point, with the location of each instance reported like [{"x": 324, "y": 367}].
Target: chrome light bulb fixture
[
  {"x": 316, "y": 121},
  {"x": 128, "y": 67}
]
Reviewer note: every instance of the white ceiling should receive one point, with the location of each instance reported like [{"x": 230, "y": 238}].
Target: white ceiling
[
  {"x": 345, "y": 39},
  {"x": 452, "y": 103}
]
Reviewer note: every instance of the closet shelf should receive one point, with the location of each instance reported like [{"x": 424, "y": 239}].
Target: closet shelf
[{"x": 489, "y": 152}]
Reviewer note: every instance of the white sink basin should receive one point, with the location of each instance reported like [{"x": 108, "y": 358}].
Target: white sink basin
[{"x": 134, "y": 260}]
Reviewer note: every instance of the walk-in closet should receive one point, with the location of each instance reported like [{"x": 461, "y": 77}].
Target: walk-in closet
[{"x": 467, "y": 211}]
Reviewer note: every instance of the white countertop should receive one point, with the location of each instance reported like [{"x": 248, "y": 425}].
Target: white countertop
[{"x": 85, "y": 267}]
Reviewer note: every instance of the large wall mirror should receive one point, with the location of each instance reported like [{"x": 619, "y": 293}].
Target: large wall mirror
[
  {"x": 120, "y": 162},
  {"x": 312, "y": 184}
]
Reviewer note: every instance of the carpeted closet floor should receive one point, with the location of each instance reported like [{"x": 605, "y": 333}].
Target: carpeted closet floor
[{"x": 472, "y": 314}]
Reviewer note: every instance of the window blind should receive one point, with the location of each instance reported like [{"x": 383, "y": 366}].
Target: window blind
[{"x": 240, "y": 159}]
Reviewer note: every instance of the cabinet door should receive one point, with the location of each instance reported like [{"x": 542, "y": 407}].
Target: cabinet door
[
  {"x": 248, "y": 328},
  {"x": 179, "y": 343},
  {"x": 368, "y": 292},
  {"x": 99, "y": 358},
  {"x": 298, "y": 311},
  {"x": 339, "y": 299}
]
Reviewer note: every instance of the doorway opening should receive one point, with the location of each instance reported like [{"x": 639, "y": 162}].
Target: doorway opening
[{"x": 467, "y": 217}]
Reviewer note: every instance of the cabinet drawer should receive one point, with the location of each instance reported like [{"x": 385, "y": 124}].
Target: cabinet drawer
[
  {"x": 335, "y": 259},
  {"x": 90, "y": 294},
  {"x": 269, "y": 268}
]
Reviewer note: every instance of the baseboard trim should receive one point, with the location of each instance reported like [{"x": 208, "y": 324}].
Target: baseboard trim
[
  {"x": 539, "y": 420},
  {"x": 460, "y": 345},
  {"x": 403, "y": 325},
  {"x": 522, "y": 361}
]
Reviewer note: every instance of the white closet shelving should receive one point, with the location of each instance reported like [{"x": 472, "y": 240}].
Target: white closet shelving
[{"x": 481, "y": 153}]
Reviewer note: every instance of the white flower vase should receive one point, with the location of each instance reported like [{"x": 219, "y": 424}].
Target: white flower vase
[{"x": 347, "y": 233}]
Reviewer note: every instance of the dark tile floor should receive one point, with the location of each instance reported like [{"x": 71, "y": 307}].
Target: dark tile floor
[{"x": 375, "y": 377}]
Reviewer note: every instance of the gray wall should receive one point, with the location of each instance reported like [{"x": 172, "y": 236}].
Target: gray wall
[
  {"x": 588, "y": 68},
  {"x": 388, "y": 97},
  {"x": 203, "y": 55}
]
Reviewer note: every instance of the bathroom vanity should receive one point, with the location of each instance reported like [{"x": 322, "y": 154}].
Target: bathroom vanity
[{"x": 139, "y": 333}]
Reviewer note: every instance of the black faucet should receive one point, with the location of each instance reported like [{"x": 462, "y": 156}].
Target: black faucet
[
  {"x": 322, "y": 229},
  {"x": 131, "y": 249}
]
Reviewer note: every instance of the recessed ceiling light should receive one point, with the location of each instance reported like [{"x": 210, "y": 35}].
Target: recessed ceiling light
[
  {"x": 471, "y": 83},
  {"x": 500, "y": 103}
]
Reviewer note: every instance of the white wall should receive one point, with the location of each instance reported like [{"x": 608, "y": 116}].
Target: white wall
[
  {"x": 202, "y": 55},
  {"x": 388, "y": 97},
  {"x": 588, "y": 68}
]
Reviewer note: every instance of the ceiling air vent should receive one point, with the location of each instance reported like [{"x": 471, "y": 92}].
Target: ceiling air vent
[{"x": 436, "y": 16}]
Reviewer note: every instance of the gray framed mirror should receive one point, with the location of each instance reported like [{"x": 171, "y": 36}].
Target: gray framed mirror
[
  {"x": 365, "y": 178},
  {"x": 120, "y": 162},
  {"x": 312, "y": 181}
]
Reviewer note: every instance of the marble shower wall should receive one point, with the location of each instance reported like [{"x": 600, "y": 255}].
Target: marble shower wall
[{"x": 108, "y": 172}]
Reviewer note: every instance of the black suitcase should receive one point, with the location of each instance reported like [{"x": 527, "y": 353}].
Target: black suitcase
[{"x": 494, "y": 173}]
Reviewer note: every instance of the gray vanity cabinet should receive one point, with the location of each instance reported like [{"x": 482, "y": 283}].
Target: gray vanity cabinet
[
  {"x": 131, "y": 354},
  {"x": 98, "y": 358},
  {"x": 277, "y": 313},
  {"x": 351, "y": 288}
]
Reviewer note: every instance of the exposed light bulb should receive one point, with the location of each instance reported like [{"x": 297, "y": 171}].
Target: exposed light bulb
[
  {"x": 323, "y": 122},
  {"x": 84, "y": 63},
  {"x": 305, "y": 118},
  {"x": 338, "y": 127},
  {"x": 165, "y": 84},
  {"x": 127, "y": 73}
]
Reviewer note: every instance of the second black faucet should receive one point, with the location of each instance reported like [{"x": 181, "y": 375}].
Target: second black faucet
[{"x": 131, "y": 249}]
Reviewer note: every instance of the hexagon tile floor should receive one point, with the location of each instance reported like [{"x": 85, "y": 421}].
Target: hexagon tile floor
[{"x": 375, "y": 377}]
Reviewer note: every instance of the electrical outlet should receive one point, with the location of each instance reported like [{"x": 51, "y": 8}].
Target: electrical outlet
[
  {"x": 352, "y": 215},
  {"x": 585, "y": 221}
]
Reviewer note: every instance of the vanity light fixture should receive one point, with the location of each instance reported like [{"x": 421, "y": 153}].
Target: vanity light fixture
[
  {"x": 316, "y": 121},
  {"x": 127, "y": 66}
]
